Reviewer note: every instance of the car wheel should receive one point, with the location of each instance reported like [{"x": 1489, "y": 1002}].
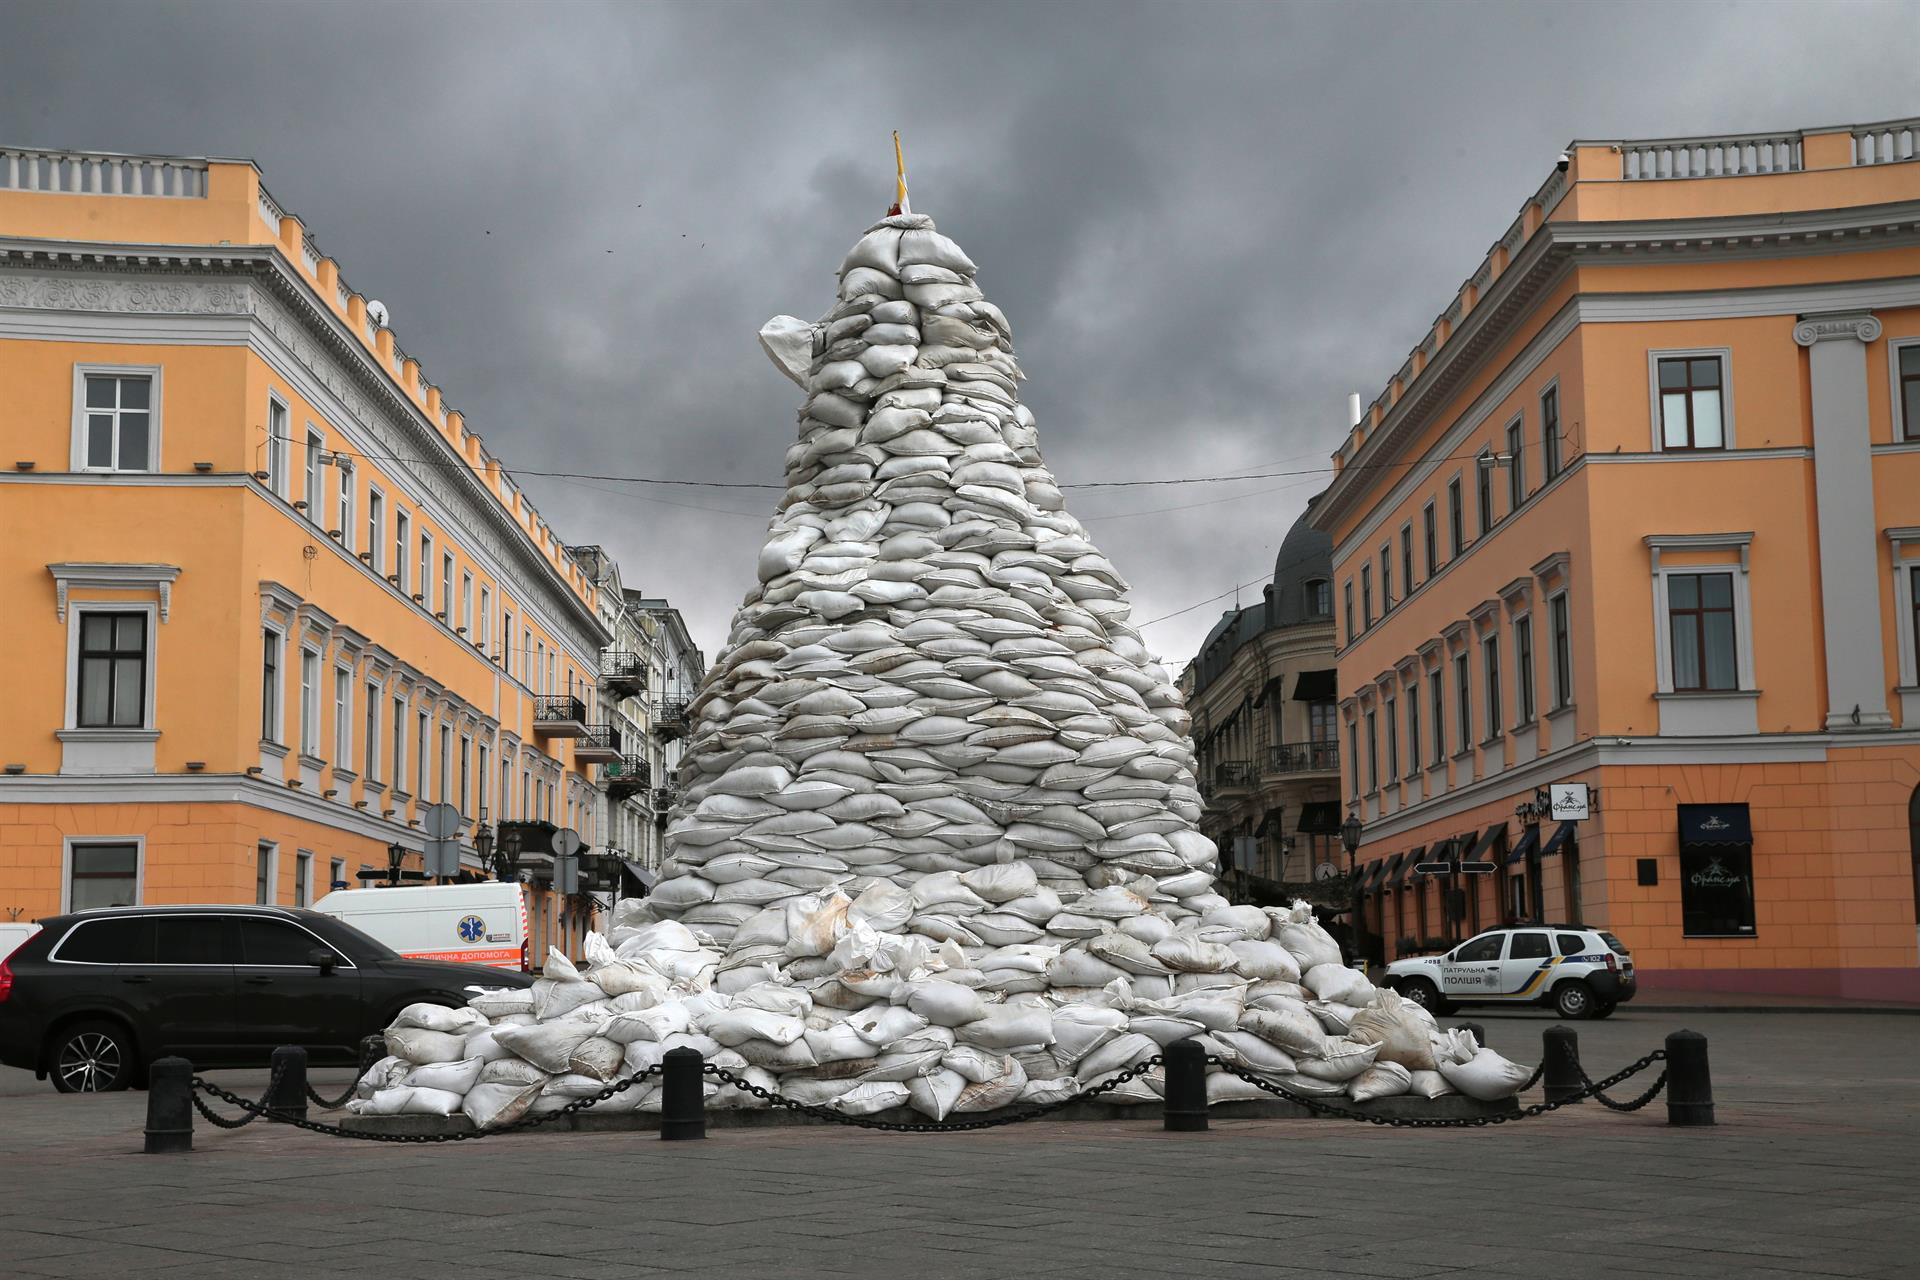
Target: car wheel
[
  {"x": 1604, "y": 1008},
  {"x": 92, "y": 1057},
  {"x": 1575, "y": 1000},
  {"x": 1426, "y": 995}
]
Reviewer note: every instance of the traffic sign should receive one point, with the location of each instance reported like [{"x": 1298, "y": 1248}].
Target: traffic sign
[
  {"x": 566, "y": 872},
  {"x": 1478, "y": 868},
  {"x": 1432, "y": 868},
  {"x": 1246, "y": 852},
  {"x": 565, "y": 842},
  {"x": 1569, "y": 801},
  {"x": 440, "y": 821}
]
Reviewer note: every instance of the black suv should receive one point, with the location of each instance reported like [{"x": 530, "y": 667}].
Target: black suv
[{"x": 96, "y": 996}]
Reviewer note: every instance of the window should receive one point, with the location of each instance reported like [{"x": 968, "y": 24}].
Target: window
[
  {"x": 446, "y": 587},
  {"x": 445, "y": 773},
  {"x": 270, "y": 686},
  {"x": 337, "y": 874},
  {"x": 1550, "y": 432},
  {"x": 376, "y": 528},
  {"x": 424, "y": 588},
  {"x": 277, "y": 444},
  {"x": 1366, "y": 595},
  {"x": 1691, "y": 408},
  {"x": 466, "y": 605},
  {"x": 466, "y": 774},
  {"x": 1320, "y": 722},
  {"x": 486, "y": 620},
  {"x": 1413, "y": 729},
  {"x": 1437, "y": 704},
  {"x": 1570, "y": 944},
  {"x": 550, "y": 685},
  {"x": 276, "y": 944},
  {"x": 343, "y": 505},
  {"x": 402, "y": 545},
  {"x": 1483, "y": 490},
  {"x": 316, "y": 450},
  {"x": 1716, "y": 891},
  {"x": 1700, "y": 617},
  {"x": 302, "y": 879},
  {"x": 1319, "y": 600},
  {"x": 263, "y": 874},
  {"x": 1481, "y": 950},
  {"x": 1429, "y": 528},
  {"x": 342, "y": 718},
  {"x": 1393, "y": 740},
  {"x": 1529, "y": 946},
  {"x": 371, "y": 765},
  {"x": 1346, "y": 595},
  {"x": 113, "y": 671},
  {"x": 1373, "y": 753},
  {"x": 1562, "y": 651},
  {"x": 1406, "y": 560},
  {"x": 481, "y": 776},
  {"x": 1907, "y": 378},
  {"x": 1517, "y": 467},
  {"x": 506, "y": 786},
  {"x": 309, "y": 702},
  {"x": 128, "y": 940},
  {"x": 1913, "y": 597},
  {"x": 1523, "y": 668},
  {"x": 103, "y": 875},
  {"x": 1463, "y": 700},
  {"x": 1456, "y": 538},
  {"x": 397, "y": 766},
  {"x": 1517, "y": 896},
  {"x": 420, "y": 759},
  {"x": 115, "y": 426},
  {"x": 506, "y": 641},
  {"x": 1386, "y": 581},
  {"x": 1490, "y": 666},
  {"x": 193, "y": 940}
]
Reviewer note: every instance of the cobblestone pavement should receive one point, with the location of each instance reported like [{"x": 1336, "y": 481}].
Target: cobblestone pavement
[{"x": 1810, "y": 1173}]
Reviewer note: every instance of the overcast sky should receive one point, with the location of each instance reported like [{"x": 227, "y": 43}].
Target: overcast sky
[{"x": 1207, "y": 222}]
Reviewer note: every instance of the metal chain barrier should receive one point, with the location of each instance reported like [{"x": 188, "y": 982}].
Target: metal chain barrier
[
  {"x": 957, "y": 1126},
  {"x": 1539, "y": 1070},
  {"x": 1593, "y": 1091},
  {"x": 1320, "y": 1107},
  {"x": 254, "y": 1110},
  {"x": 367, "y": 1059}
]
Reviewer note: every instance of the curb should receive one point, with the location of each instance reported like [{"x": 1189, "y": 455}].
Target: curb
[{"x": 1907, "y": 1010}]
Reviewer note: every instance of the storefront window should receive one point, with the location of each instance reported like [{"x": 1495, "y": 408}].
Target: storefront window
[{"x": 1716, "y": 871}]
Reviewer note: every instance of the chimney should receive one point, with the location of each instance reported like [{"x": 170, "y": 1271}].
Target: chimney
[{"x": 1353, "y": 409}]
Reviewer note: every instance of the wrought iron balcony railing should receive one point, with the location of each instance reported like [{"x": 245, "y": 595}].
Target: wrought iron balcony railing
[
  {"x": 623, "y": 674},
  {"x": 1304, "y": 757},
  {"x": 627, "y": 776},
  {"x": 559, "y": 716}
]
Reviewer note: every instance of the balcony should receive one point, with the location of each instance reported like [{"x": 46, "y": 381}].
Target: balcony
[
  {"x": 663, "y": 802},
  {"x": 671, "y": 720},
  {"x": 1304, "y": 757},
  {"x": 560, "y": 716},
  {"x": 623, "y": 675},
  {"x": 626, "y": 776},
  {"x": 1234, "y": 778},
  {"x": 600, "y": 744}
]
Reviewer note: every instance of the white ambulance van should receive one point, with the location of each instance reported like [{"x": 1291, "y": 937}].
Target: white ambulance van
[{"x": 481, "y": 923}]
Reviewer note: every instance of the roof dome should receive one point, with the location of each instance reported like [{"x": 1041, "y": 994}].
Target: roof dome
[{"x": 1306, "y": 555}]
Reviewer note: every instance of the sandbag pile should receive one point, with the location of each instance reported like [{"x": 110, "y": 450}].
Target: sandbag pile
[{"x": 936, "y": 841}]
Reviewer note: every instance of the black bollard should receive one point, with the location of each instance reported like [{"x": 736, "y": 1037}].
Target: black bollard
[
  {"x": 1560, "y": 1052},
  {"x": 1186, "y": 1101},
  {"x": 1689, "y": 1082},
  {"x": 1478, "y": 1032},
  {"x": 683, "y": 1102},
  {"x": 169, "y": 1106},
  {"x": 287, "y": 1100}
]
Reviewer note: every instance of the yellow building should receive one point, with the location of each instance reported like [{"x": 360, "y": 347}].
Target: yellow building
[
  {"x": 267, "y": 595},
  {"x": 1641, "y": 511}
]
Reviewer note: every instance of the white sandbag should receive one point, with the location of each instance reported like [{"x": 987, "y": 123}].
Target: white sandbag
[
  {"x": 1264, "y": 960},
  {"x": 430, "y": 1102},
  {"x": 1248, "y": 1051},
  {"x": 1398, "y": 1026},
  {"x": 547, "y": 1045},
  {"x": 512, "y": 1071},
  {"x": 1185, "y": 953},
  {"x": 452, "y": 1077},
  {"x": 872, "y": 1096},
  {"x": 596, "y": 1056},
  {"x": 491, "y": 1105},
  {"x": 1335, "y": 1017},
  {"x": 934, "y": 1094},
  {"x": 731, "y": 1097},
  {"x": 1006, "y": 1027},
  {"x": 1296, "y": 1031},
  {"x": 1381, "y": 1080},
  {"x": 1340, "y": 984},
  {"x": 434, "y": 1017},
  {"x": 883, "y": 1026},
  {"x": 1079, "y": 1029},
  {"x": 1224, "y": 1086},
  {"x": 1340, "y": 1061},
  {"x": 1117, "y": 1054},
  {"x": 991, "y": 1095},
  {"x": 1487, "y": 1076},
  {"x": 420, "y": 1046},
  {"x": 498, "y": 1004},
  {"x": 558, "y": 998},
  {"x": 1301, "y": 934},
  {"x": 732, "y": 1026},
  {"x": 946, "y": 1004},
  {"x": 1429, "y": 1084}
]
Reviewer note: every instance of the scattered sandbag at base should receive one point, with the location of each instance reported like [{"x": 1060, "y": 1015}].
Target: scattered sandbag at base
[
  {"x": 933, "y": 1095},
  {"x": 1429, "y": 1084},
  {"x": 1401, "y": 1028},
  {"x": 1341, "y": 1061},
  {"x": 420, "y": 1046},
  {"x": 491, "y": 1105},
  {"x": 1381, "y": 1080},
  {"x": 1486, "y": 1075}
]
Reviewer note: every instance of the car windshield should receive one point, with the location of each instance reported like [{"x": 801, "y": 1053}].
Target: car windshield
[
  {"x": 1619, "y": 949},
  {"x": 356, "y": 940}
]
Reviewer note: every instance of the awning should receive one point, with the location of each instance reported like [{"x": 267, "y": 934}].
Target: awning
[
  {"x": 1316, "y": 686},
  {"x": 1320, "y": 818},
  {"x": 1271, "y": 686},
  {"x": 1564, "y": 838},
  {"x": 1370, "y": 875},
  {"x": 644, "y": 877},
  {"x": 1269, "y": 820},
  {"x": 1715, "y": 826},
  {"x": 1399, "y": 865},
  {"x": 1482, "y": 850},
  {"x": 1529, "y": 843}
]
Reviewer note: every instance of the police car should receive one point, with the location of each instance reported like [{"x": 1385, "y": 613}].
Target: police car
[{"x": 1580, "y": 972}]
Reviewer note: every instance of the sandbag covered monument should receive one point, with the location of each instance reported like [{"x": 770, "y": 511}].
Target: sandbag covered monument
[{"x": 936, "y": 842}]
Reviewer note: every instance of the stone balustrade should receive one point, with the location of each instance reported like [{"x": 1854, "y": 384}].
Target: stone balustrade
[{"x": 102, "y": 173}]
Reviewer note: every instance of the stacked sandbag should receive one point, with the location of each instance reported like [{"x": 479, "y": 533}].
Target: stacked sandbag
[{"x": 935, "y": 844}]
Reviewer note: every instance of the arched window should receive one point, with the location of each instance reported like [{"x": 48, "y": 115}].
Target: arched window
[{"x": 1319, "y": 601}]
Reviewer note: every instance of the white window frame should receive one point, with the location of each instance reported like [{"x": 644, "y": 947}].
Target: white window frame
[
  {"x": 345, "y": 508},
  {"x": 486, "y": 620},
  {"x": 506, "y": 641},
  {"x": 342, "y": 716},
  {"x": 1514, "y": 439},
  {"x": 310, "y": 700},
  {"x": 278, "y": 734},
  {"x": 397, "y": 767},
  {"x": 1493, "y": 686},
  {"x": 316, "y": 487},
  {"x": 1903, "y": 601},
  {"x": 446, "y": 587},
  {"x": 336, "y": 872},
  {"x": 1904, "y": 432},
  {"x": 1562, "y": 698},
  {"x": 272, "y": 849},
  {"x": 1525, "y": 690},
  {"x": 466, "y": 603},
  {"x": 279, "y": 459},
  {"x": 67, "y": 843},
  {"x": 424, "y": 588},
  {"x": 303, "y": 877},
  {"x": 80, "y": 608},
  {"x": 1658, "y": 435},
  {"x": 1556, "y": 451},
  {"x": 79, "y": 425},
  {"x": 1742, "y": 606},
  {"x": 402, "y": 544},
  {"x": 370, "y": 761},
  {"x": 376, "y": 527}
]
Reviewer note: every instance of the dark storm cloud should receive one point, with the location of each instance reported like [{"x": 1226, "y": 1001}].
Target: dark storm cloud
[{"x": 1208, "y": 222}]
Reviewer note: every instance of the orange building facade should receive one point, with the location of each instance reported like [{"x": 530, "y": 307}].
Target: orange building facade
[
  {"x": 1642, "y": 512},
  {"x": 268, "y": 596}
]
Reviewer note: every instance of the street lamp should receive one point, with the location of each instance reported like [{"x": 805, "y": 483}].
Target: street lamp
[
  {"x": 396, "y": 861},
  {"x": 1350, "y": 835},
  {"x": 483, "y": 844},
  {"x": 506, "y": 860},
  {"x": 1350, "y": 840}
]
